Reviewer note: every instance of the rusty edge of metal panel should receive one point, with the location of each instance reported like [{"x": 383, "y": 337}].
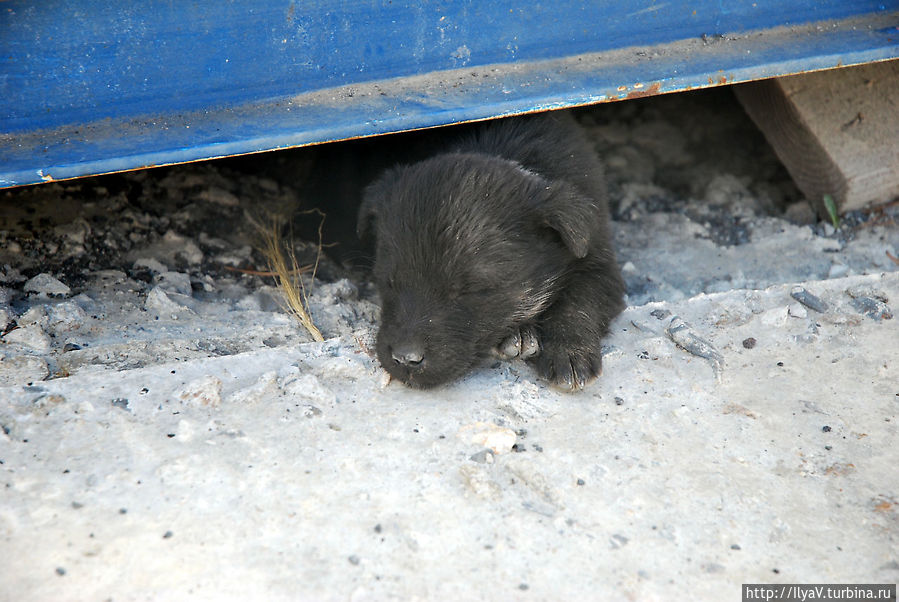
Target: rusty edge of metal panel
[{"x": 441, "y": 98}]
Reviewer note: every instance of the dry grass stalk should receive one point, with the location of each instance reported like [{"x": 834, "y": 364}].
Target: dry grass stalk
[{"x": 288, "y": 274}]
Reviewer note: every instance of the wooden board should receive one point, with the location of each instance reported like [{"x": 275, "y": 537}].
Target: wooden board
[{"x": 836, "y": 131}]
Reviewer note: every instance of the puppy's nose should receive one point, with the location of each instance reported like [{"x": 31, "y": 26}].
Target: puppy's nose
[{"x": 408, "y": 355}]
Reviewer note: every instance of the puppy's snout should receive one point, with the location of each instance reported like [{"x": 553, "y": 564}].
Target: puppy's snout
[{"x": 409, "y": 355}]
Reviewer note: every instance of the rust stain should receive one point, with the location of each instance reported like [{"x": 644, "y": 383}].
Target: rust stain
[
  {"x": 291, "y": 9},
  {"x": 652, "y": 90},
  {"x": 722, "y": 80},
  {"x": 839, "y": 469},
  {"x": 883, "y": 506},
  {"x": 735, "y": 408}
]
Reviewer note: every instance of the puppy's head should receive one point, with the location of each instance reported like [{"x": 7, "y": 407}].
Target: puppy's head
[{"x": 466, "y": 248}]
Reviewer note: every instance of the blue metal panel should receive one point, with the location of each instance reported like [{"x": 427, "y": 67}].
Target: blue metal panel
[{"x": 91, "y": 87}]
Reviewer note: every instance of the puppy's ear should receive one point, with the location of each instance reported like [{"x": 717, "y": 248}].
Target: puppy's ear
[
  {"x": 574, "y": 217},
  {"x": 373, "y": 198}
]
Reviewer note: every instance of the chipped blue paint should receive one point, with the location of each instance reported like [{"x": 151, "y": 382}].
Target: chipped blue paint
[{"x": 89, "y": 87}]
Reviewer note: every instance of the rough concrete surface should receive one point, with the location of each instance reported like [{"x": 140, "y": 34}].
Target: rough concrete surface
[{"x": 168, "y": 433}]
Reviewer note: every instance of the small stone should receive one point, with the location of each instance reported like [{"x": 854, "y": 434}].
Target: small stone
[
  {"x": 159, "y": 302},
  {"x": 31, "y": 336},
  {"x": 308, "y": 387},
  {"x": 219, "y": 197},
  {"x": 496, "y": 438},
  {"x": 175, "y": 282},
  {"x": 735, "y": 546},
  {"x": 65, "y": 317},
  {"x": 800, "y": 213},
  {"x": 826, "y": 429},
  {"x": 310, "y": 411},
  {"x": 206, "y": 391},
  {"x": 167, "y": 535},
  {"x": 485, "y": 456},
  {"x": 796, "y": 310},
  {"x": 837, "y": 270},
  {"x": 60, "y": 571},
  {"x": 45, "y": 284},
  {"x": 619, "y": 401},
  {"x": 150, "y": 264},
  {"x": 354, "y": 560},
  {"x": 35, "y": 315},
  {"x": 749, "y": 342},
  {"x": 21, "y": 369},
  {"x": 873, "y": 308},
  {"x": 581, "y": 482},
  {"x": 809, "y": 300}
]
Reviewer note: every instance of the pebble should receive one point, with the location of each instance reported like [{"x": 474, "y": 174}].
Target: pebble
[
  {"x": 309, "y": 388},
  {"x": 660, "y": 314},
  {"x": 265, "y": 386},
  {"x": 65, "y": 317},
  {"x": 219, "y": 196},
  {"x": 45, "y": 284},
  {"x": 174, "y": 282},
  {"x": 874, "y": 309},
  {"x": 22, "y": 369},
  {"x": 837, "y": 270},
  {"x": 159, "y": 302},
  {"x": 498, "y": 439},
  {"x": 809, "y": 300},
  {"x": 683, "y": 335},
  {"x": 150, "y": 264},
  {"x": 206, "y": 391},
  {"x": 796, "y": 310},
  {"x": 187, "y": 249},
  {"x": 35, "y": 315},
  {"x": 331, "y": 293},
  {"x": 31, "y": 336}
]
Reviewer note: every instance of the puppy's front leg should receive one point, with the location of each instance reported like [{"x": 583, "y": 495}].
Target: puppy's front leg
[{"x": 572, "y": 328}]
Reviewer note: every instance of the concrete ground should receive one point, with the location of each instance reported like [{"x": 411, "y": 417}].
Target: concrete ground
[{"x": 169, "y": 433}]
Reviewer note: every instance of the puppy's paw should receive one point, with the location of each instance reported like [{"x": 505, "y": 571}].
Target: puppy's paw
[
  {"x": 569, "y": 370},
  {"x": 523, "y": 344}
]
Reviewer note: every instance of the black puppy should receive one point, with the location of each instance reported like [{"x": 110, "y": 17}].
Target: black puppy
[{"x": 499, "y": 243}]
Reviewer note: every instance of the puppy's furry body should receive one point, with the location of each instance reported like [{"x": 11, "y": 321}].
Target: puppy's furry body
[{"x": 500, "y": 242}]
